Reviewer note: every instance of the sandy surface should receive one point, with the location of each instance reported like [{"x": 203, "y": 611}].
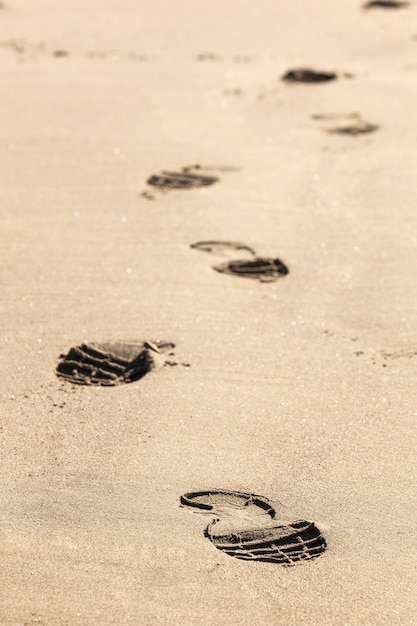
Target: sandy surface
[{"x": 302, "y": 390}]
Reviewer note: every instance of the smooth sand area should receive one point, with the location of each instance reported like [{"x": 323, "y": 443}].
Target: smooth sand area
[{"x": 302, "y": 390}]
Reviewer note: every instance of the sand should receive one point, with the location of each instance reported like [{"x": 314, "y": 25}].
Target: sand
[{"x": 302, "y": 390}]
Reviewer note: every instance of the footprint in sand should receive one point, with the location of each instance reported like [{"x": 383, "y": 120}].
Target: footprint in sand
[
  {"x": 308, "y": 75},
  {"x": 180, "y": 180},
  {"x": 26, "y": 50},
  {"x": 385, "y": 4},
  {"x": 189, "y": 177},
  {"x": 245, "y": 527},
  {"x": 113, "y": 363},
  {"x": 209, "y": 56},
  {"x": 351, "y": 124},
  {"x": 245, "y": 262}
]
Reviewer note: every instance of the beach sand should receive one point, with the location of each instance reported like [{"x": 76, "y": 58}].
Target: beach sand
[{"x": 302, "y": 390}]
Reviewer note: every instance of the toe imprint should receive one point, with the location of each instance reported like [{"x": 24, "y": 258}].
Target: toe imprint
[
  {"x": 245, "y": 528},
  {"x": 287, "y": 545},
  {"x": 111, "y": 363},
  {"x": 264, "y": 269}
]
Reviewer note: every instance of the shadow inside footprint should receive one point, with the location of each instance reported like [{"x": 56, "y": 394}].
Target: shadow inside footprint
[
  {"x": 385, "y": 4},
  {"x": 245, "y": 528},
  {"x": 264, "y": 269},
  {"x": 111, "y": 363},
  {"x": 308, "y": 75}
]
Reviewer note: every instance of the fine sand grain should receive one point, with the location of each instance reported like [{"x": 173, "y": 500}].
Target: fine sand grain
[{"x": 141, "y": 143}]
